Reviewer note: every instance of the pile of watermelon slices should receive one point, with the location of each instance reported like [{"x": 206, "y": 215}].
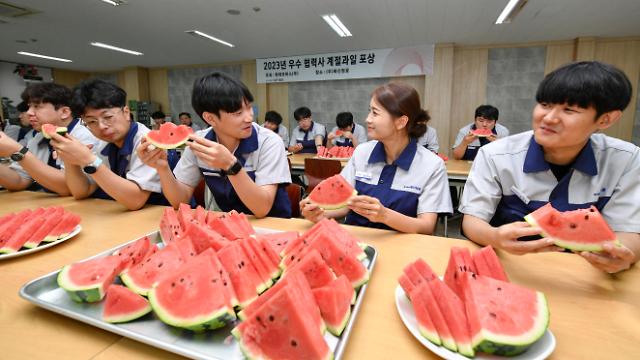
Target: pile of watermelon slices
[
  {"x": 475, "y": 308},
  {"x": 212, "y": 268},
  {"x": 338, "y": 152},
  {"x": 29, "y": 228}
]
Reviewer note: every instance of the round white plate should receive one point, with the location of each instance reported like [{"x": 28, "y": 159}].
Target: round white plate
[
  {"x": 42, "y": 246},
  {"x": 540, "y": 350}
]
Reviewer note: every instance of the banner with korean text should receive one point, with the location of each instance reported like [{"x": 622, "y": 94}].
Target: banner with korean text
[{"x": 405, "y": 61}]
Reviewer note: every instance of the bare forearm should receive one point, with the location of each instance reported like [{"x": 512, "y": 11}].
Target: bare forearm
[
  {"x": 631, "y": 241},
  {"x": 124, "y": 191},
  {"x": 175, "y": 191},
  {"x": 477, "y": 230},
  {"x": 11, "y": 180},
  {"x": 77, "y": 182},
  {"x": 257, "y": 198},
  {"x": 423, "y": 224},
  {"x": 47, "y": 176},
  {"x": 458, "y": 151}
]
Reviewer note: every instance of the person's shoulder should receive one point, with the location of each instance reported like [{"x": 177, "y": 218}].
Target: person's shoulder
[
  {"x": 364, "y": 149},
  {"x": 465, "y": 129},
  {"x": 426, "y": 159},
  {"x": 602, "y": 142},
  {"x": 203, "y": 132},
  {"x": 509, "y": 145},
  {"x": 502, "y": 130}
]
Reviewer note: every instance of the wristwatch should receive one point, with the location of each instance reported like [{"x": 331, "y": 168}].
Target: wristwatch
[
  {"x": 19, "y": 155},
  {"x": 93, "y": 167},
  {"x": 234, "y": 169}
]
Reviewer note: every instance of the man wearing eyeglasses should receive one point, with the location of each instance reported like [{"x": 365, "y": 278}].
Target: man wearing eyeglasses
[
  {"x": 308, "y": 135},
  {"x": 467, "y": 143},
  {"x": 114, "y": 170},
  {"x": 36, "y": 166}
]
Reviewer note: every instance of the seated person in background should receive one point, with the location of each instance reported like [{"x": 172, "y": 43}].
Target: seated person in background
[
  {"x": 307, "y": 136},
  {"x": 185, "y": 119},
  {"x": 23, "y": 132},
  {"x": 352, "y": 134},
  {"x": 401, "y": 185},
  {"x": 430, "y": 140},
  {"x": 563, "y": 161},
  {"x": 273, "y": 121},
  {"x": 113, "y": 169},
  {"x": 157, "y": 119},
  {"x": 48, "y": 104},
  {"x": 243, "y": 164},
  {"x": 467, "y": 144}
]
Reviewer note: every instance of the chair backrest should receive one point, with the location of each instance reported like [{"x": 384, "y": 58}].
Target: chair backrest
[
  {"x": 317, "y": 170},
  {"x": 198, "y": 193},
  {"x": 295, "y": 195}
]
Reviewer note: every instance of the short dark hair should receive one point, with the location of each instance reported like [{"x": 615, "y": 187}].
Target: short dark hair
[
  {"x": 157, "y": 115},
  {"x": 488, "y": 112},
  {"x": 22, "y": 107},
  {"x": 344, "y": 119},
  {"x": 97, "y": 94},
  {"x": 185, "y": 113},
  {"x": 586, "y": 83},
  {"x": 401, "y": 99},
  {"x": 301, "y": 113},
  {"x": 52, "y": 93},
  {"x": 273, "y": 117},
  {"x": 218, "y": 91}
]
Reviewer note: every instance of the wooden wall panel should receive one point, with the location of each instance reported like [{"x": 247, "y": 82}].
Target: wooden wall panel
[
  {"x": 68, "y": 78},
  {"x": 259, "y": 91},
  {"x": 438, "y": 89},
  {"x": 558, "y": 55},
  {"x": 278, "y": 100},
  {"x": 159, "y": 88}
]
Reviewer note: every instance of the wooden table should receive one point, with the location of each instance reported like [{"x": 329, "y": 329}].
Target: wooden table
[{"x": 593, "y": 315}]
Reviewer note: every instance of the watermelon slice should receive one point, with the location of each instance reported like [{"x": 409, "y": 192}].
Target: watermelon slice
[
  {"x": 185, "y": 216},
  {"x": 123, "y": 305},
  {"x": 203, "y": 238},
  {"x": 170, "y": 229},
  {"x": 88, "y": 280},
  {"x": 268, "y": 257},
  {"x": 453, "y": 312},
  {"x": 504, "y": 319},
  {"x": 191, "y": 298},
  {"x": 339, "y": 133},
  {"x": 222, "y": 277},
  {"x": 279, "y": 240},
  {"x": 482, "y": 132},
  {"x": 315, "y": 269},
  {"x": 66, "y": 225},
  {"x": 228, "y": 227},
  {"x": 134, "y": 253},
  {"x": 21, "y": 236},
  {"x": 459, "y": 262},
  {"x": 12, "y": 225},
  {"x": 257, "y": 262},
  {"x": 53, "y": 217},
  {"x": 487, "y": 263},
  {"x": 201, "y": 215},
  {"x": 426, "y": 325},
  {"x": 48, "y": 129},
  {"x": 443, "y": 156},
  {"x": 332, "y": 193},
  {"x": 243, "y": 275},
  {"x": 169, "y": 135},
  {"x": 334, "y": 301},
  {"x": 440, "y": 329},
  {"x": 141, "y": 277},
  {"x": 577, "y": 230}
]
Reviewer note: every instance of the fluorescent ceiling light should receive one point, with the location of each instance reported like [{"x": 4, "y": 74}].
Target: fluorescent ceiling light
[
  {"x": 114, "y": 2},
  {"x": 115, "y": 48},
  {"x": 336, "y": 25},
  {"x": 43, "y": 56},
  {"x": 207, "y": 36},
  {"x": 510, "y": 11}
]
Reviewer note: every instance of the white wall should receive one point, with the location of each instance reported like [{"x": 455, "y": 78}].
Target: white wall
[{"x": 12, "y": 85}]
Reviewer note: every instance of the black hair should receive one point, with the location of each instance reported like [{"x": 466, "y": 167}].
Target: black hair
[
  {"x": 488, "y": 112},
  {"x": 301, "y": 113},
  {"x": 185, "y": 113},
  {"x": 586, "y": 83},
  {"x": 218, "y": 91},
  {"x": 52, "y": 93},
  {"x": 22, "y": 107},
  {"x": 97, "y": 94},
  {"x": 401, "y": 99},
  {"x": 157, "y": 115},
  {"x": 273, "y": 117},
  {"x": 344, "y": 119}
]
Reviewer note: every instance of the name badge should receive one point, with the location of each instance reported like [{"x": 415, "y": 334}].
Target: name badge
[{"x": 363, "y": 175}]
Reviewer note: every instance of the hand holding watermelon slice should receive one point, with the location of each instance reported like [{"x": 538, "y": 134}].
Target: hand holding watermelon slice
[
  {"x": 482, "y": 132},
  {"x": 169, "y": 136},
  {"x": 332, "y": 193}
]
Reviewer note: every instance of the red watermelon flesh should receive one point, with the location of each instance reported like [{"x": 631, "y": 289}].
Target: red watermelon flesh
[
  {"x": 460, "y": 261},
  {"x": 170, "y": 229},
  {"x": 426, "y": 325},
  {"x": 53, "y": 217},
  {"x": 340, "y": 261},
  {"x": 282, "y": 328},
  {"x": 88, "y": 281},
  {"x": 227, "y": 227},
  {"x": 406, "y": 284},
  {"x": 169, "y": 135},
  {"x": 504, "y": 319},
  {"x": 334, "y": 301},
  {"x": 66, "y": 225},
  {"x": 123, "y": 305},
  {"x": 192, "y": 298},
  {"x": 20, "y": 237},
  {"x": 279, "y": 240},
  {"x": 244, "y": 277},
  {"x": 487, "y": 263},
  {"x": 453, "y": 312},
  {"x": 439, "y": 323},
  {"x": 134, "y": 253},
  {"x": 141, "y": 277},
  {"x": 256, "y": 261},
  {"x": 11, "y": 226},
  {"x": 223, "y": 277},
  {"x": 294, "y": 244},
  {"x": 243, "y": 223},
  {"x": 48, "y": 129},
  {"x": 332, "y": 193},
  {"x": 577, "y": 230},
  {"x": 185, "y": 216},
  {"x": 187, "y": 251},
  {"x": 201, "y": 215},
  {"x": 203, "y": 238},
  {"x": 315, "y": 269},
  {"x": 266, "y": 254},
  {"x": 5, "y": 218},
  {"x": 344, "y": 237},
  {"x": 482, "y": 132}
]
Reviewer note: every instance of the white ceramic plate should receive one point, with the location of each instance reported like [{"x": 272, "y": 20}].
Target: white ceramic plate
[
  {"x": 540, "y": 350},
  {"x": 42, "y": 245}
]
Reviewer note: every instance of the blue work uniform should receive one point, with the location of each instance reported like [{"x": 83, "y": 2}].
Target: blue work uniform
[
  {"x": 472, "y": 149},
  {"x": 358, "y": 131},
  {"x": 307, "y": 138}
]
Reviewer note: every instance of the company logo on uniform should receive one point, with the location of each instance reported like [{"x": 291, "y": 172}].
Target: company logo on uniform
[
  {"x": 601, "y": 192},
  {"x": 412, "y": 187}
]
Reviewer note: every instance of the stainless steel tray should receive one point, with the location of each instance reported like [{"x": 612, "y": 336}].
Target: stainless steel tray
[{"x": 218, "y": 344}]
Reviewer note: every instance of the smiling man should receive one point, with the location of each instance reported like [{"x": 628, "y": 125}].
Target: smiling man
[
  {"x": 113, "y": 171},
  {"x": 467, "y": 143},
  {"x": 48, "y": 103},
  {"x": 243, "y": 164},
  {"x": 563, "y": 161}
]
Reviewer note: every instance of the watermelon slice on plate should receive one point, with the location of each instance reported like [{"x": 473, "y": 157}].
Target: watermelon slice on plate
[
  {"x": 48, "y": 129},
  {"x": 577, "y": 230},
  {"x": 123, "y": 305},
  {"x": 334, "y": 301},
  {"x": 88, "y": 281},
  {"x": 169, "y": 135},
  {"x": 332, "y": 193},
  {"x": 482, "y": 132}
]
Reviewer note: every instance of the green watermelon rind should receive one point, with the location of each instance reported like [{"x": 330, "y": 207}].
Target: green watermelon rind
[
  {"x": 166, "y": 146},
  {"x": 337, "y": 329},
  {"x": 80, "y": 293},
  {"x": 251, "y": 356},
  {"x": 129, "y": 282},
  {"x": 214, "y": 320},
  {"x": 568, "y": 244},
  {"x": 335, "y": 206},
  {"x": 61, "y": 130},
  {"x": 126, "y": 317},
  {"x": 505, "y": 345}
]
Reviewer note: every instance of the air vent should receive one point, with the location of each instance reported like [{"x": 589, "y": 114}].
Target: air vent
[{"x": 12, "y": 11}]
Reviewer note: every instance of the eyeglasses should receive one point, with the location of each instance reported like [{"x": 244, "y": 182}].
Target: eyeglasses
[{"x": 106, "y": 119}]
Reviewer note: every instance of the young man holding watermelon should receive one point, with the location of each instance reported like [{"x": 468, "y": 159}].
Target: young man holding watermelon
[
  {"x": 484, "y": 130},
  {"x": 113, "y": 170},
  {"x": 346, "y": 132},
  {"x": 49, "y": 103},
  {"x": 308, "y": 135},
  {"x": 243, "y": 164},
  {"x": 563, "y": 161}
]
